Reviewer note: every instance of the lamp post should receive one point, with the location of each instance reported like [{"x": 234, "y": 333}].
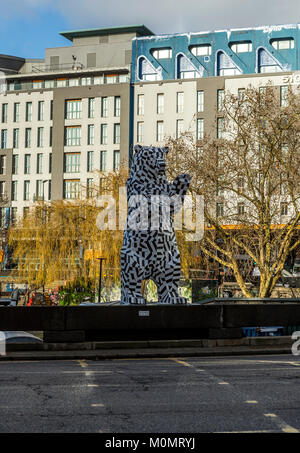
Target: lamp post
[{"x": 100, "y": 278}]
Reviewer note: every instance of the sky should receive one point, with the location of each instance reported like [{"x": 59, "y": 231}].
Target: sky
[{"x": 27, "y": 27}]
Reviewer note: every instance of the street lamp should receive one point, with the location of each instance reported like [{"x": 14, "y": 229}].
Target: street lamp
[{"x": 100, "y": 278}]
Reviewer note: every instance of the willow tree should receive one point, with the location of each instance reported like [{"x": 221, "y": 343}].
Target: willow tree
[
  {"x": 249, "y": 178},
  {"x": 60, "y": 240}
]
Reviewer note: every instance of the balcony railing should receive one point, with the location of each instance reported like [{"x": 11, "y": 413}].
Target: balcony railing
[{"x": 58, "y": 67}]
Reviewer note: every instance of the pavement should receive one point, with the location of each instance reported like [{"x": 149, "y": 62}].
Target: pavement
[
  {"x": 101, "y": 350},
  {"x": 257, "y": 394}
]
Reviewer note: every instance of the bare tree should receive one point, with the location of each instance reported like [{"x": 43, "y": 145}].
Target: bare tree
[{"x": 249, "y": 177}]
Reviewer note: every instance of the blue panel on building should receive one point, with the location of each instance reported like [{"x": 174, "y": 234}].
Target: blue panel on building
[{"x": 227, "y": 52}]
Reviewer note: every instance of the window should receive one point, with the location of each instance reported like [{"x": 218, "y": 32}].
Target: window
[
  {"x": 28, "y": 137},
  {"x": 117, "y": 106},
  {"x": 16, "y": 112},
  {"x": 37, "y": 84},
  {"x": 15, "y": 164},
  {"x": 140, "y": 132},
  {"x": 200, "y": 128},
  {"x": 39, "y": 163},
  {"x": 180, "y": 102},
  {"x": 73, "y": 109},
  {"x": 61, "y": 82},
  {"x": 14, "y": 190},
  {"x": 25, "y": 211},
  {"x": 73, "y": 136},
  {"x": 179, "y": 128},
  {"x": 4, "y": 138},
  {"x": 90, "y": 161},
  {"x": 284, "y": 91},
  {"x": 49, "y": 189},
  {"x": 51, "y": 110},
  {"x": 220, "y": 209},
  {"x": 2, "y": 164},
  {"x": 116, "y": 160},
  {"x": 202, "y": 50},
  {"x": 159, "y": 131},
  {"x": 220, "y": 99},
  {"x": 266, "y": 62},
  {"x": 89, "y": 187},
  {"x": 71, "y": 189},
  {"x": 50, "y": 162},
  {"x": 103, "y": 155},
  {"x": 160, "y": 54},
  {"x": 283, "y": 208},
  {"x": 140, "y": 104},
  {"x": 28, "y": 111},
  {"x": 146, "y": 71},
  {"x": 225, "y": 66},
  {"x": 2, "y": 197},
  {"x": 283, "y": 44},
  {"x": 200, "y": 101},
  {"x": 39, "y": 193},
  {"x": 50, "y": 136},
  {"x": 40, "y": 137},
  {"x": 185, "y": 68},
  {"x": 72, "y": 163},
  {"x": 16, "y": 134},
  {"x": 116, "y": 133},
  {"x": 160, "y": 103},
  {"x": 49, "y": 84},
  {"x": 27, "y": 164},
  {"x": 41, "y": 107},
  {"x": 14, "y": 213},
  {"x": 91, "y": 108},
  {"x": 220, "y": 127},
  {"x": 103, "y": 137},
  {"x": 241, "y": 93},
  {"x": 241, "y": 47},
  {"x": 4, "y": 113},
  {"x": 241, "y": 209},
  {"x": 91, "y": 134},
  {"x": 26, "y": 190},
  {"x": 104, "y": 107}
]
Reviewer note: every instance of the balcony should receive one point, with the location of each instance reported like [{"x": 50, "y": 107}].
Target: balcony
[{"x": 57, "y": 68}]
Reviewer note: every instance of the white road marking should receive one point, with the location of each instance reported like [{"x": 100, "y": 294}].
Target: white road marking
[{"x": 282, "y": 424}]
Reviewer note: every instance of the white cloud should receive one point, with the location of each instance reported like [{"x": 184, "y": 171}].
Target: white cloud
[
  {"x": 171, "y": 16},
  {"x": 161, "y": 16}
]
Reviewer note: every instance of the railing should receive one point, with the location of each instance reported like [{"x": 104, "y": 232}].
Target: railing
[
  {"x": 58, "y": 67},
  {"x": 68, "y": 82}
]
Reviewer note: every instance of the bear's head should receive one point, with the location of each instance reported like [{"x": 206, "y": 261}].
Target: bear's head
[{"x": 148, "y": 163}]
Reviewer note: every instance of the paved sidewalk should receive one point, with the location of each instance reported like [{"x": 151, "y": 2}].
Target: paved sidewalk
[{"x": 146, "y": 349}]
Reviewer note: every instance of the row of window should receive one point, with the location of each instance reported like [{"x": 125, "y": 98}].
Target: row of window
[
  {"x": 40, "y": 190},
  {"x": 73, "y": 107},
  {"x": 28, "y": 138},
  {"x": 72, "y": 161},
  {"x": 236, "y": 47},
  {"x": 73, "y": 135},
  {"x": 16, "y": 85},
  {"x": 241, "y": 209},
  {"x": 27, "y": 163},
  {"x": 28, "y": 111}
]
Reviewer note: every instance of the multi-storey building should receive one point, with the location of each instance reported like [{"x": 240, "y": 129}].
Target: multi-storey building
[
  {"x": 83, "y": 107},
  {"x": 64, "y": 117}
]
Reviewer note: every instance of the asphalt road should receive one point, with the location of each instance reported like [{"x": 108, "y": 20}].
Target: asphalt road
[{"x": 193, "y": 395}]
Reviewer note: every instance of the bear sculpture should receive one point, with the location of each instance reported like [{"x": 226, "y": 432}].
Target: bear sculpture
[{"x": 150, "y": 251}]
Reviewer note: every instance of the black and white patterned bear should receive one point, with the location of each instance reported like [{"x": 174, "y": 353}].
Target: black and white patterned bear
[{"x": 149, "y": 249}]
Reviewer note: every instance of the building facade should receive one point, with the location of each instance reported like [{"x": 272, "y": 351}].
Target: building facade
[{"x": 83, "y": 107}]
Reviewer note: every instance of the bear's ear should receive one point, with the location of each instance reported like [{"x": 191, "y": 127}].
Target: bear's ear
[{"x": 138, "y": 148}]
